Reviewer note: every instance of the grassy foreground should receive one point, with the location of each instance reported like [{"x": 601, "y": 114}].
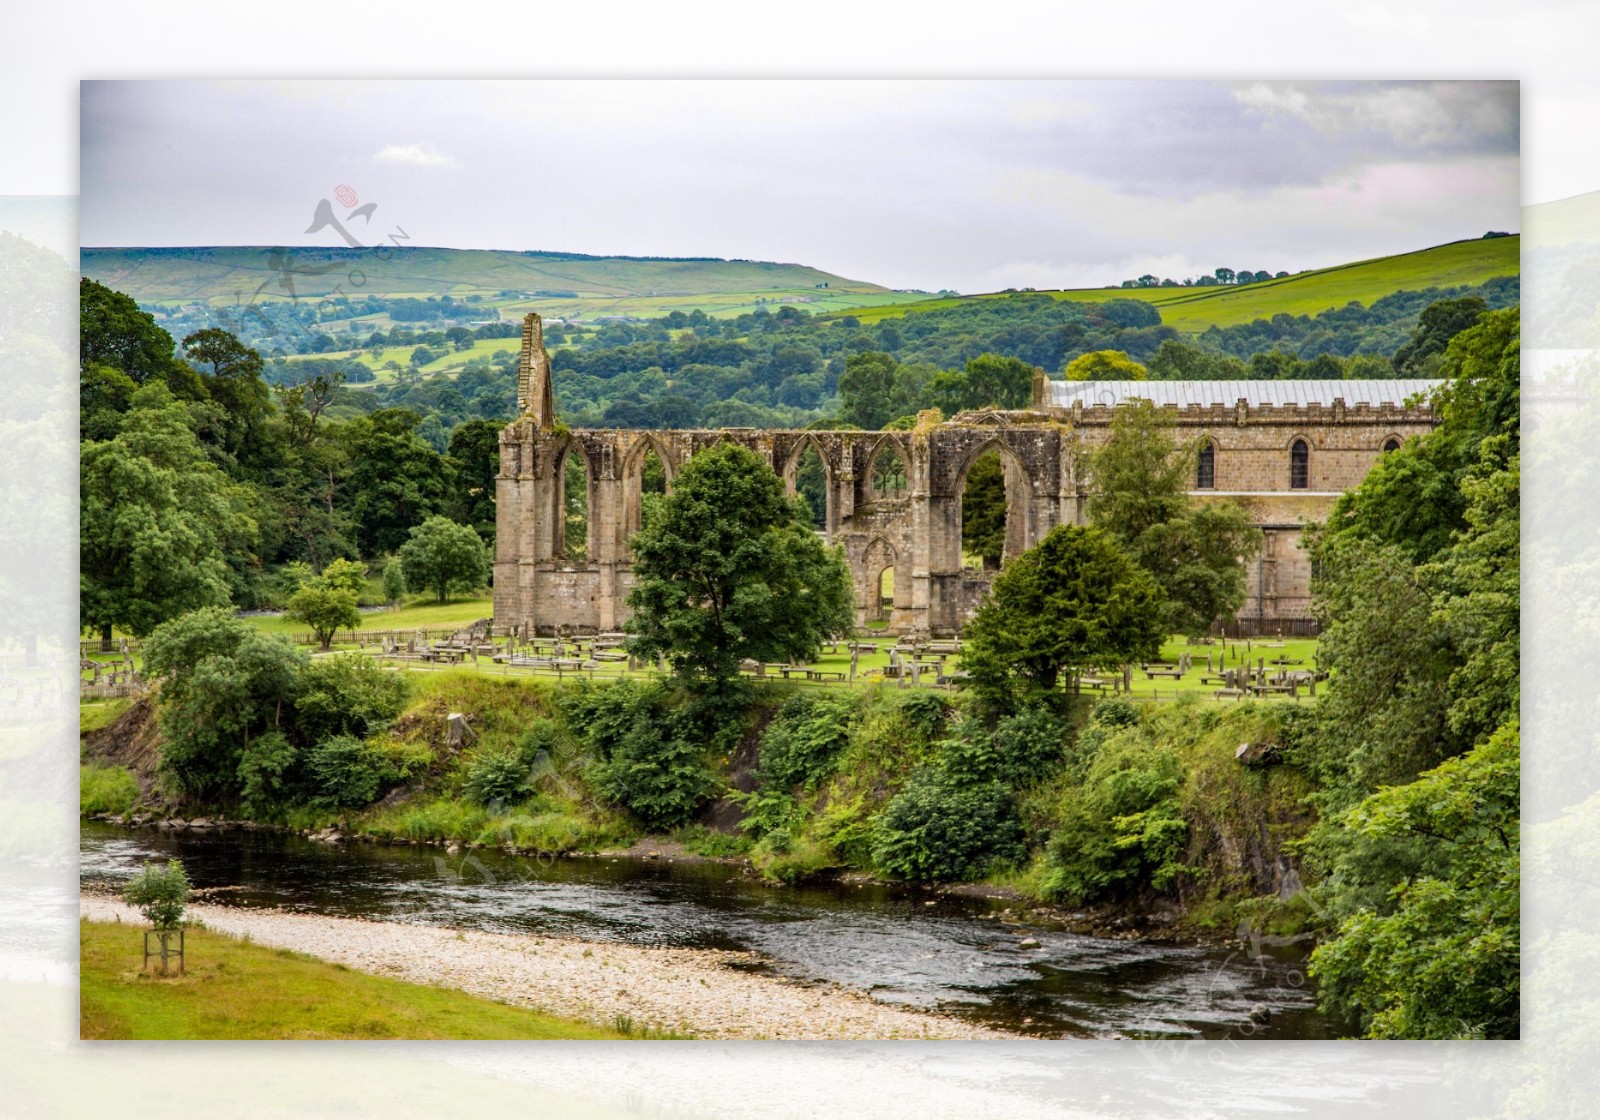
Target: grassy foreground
[{"x": 237, "y": 990}]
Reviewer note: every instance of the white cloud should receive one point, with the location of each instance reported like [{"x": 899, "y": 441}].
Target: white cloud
[{"x": 417, "y": 155}]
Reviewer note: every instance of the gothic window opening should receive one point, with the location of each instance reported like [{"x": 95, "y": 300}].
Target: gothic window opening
[{"x": 1205, "y": 472}]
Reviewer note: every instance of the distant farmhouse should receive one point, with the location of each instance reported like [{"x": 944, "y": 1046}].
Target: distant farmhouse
[{"x": 1285, "y": 450}]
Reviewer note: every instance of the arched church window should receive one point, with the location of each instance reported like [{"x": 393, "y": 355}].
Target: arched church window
[{"x": 1299, "y": 465}]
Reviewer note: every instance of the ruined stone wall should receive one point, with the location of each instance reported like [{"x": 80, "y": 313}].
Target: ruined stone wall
[{"x": 912, "y": 528}]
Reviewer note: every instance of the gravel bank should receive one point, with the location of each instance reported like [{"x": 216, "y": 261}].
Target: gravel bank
[{"x": 701, "y": 992}]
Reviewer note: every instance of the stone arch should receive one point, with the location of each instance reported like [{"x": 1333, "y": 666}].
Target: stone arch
[
  {"x": 571, "y": 450},
  {"x": 633, "y": 479},
  {"x": 877, "y": 470},
  {"x": 879, "y": 557},
  {"x": 1018, "y": 490},
  {"x": 647, "y": 443},
  {"x": 791, "y": 471},
  {"x": 1394, "y": 441}
]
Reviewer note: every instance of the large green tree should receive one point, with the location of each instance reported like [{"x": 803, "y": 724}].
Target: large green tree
[
  {"x": 445, "y": 557},
  {"x": 395, "y": 481},
  {"x": 1104, "y": 365},
  {"x": 474, "y": 454},
  {"x": 731, "y": 569},
  {"x": 866, "y": 389},
  {"x": 1072, "y": 602},
  {"x": 157, "y": 520},
  {"x": 226, "y": 703},
  {"x": 1438, "y": 324},
  {"x": 1439, "y": 955},
  {"x": 987, "y": 381},
  {"x": 330, "y": 602},
  {"x": 121, "y": 348},
  {"x": 1417, "y": 585},
  {"x": 232, "y": 375},
  {"x": 1195, "y": 549},
  {"x": 1414, "y": 498}
]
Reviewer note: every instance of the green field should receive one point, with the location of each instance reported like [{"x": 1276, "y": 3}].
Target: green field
[
  {"x": 509, "y": 284},
  {"x": 417, "y": 612},
  {"x": 1192, "y": 310},
  {"x": 453, "y": 362},
  {"x": 234, "y": 989}
]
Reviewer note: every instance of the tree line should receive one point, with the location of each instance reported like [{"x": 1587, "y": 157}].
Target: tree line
[{"x": 203, "y": 485}]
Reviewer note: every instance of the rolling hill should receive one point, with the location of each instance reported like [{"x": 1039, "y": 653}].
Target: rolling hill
[
  {"x": 1192, "y": 310},
  {"x": 566, "y": 285}
]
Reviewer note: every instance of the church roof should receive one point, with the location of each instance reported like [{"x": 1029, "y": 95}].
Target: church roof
[{"x": 1370, "y": 391}]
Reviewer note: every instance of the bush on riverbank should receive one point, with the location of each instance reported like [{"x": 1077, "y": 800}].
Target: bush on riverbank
[{"x": 1112, "y": 804}]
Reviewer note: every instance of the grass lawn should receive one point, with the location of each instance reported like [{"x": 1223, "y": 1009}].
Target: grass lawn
[
  {"x": 417, "y": 611},
  {"x": 235, "y": 989},
  {"x": 870, "y": 666}
]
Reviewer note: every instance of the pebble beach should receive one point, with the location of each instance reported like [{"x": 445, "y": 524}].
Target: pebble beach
[{"x": 706, "y": 993}]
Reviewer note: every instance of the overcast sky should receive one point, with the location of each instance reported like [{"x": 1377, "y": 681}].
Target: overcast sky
[{"x": 974, "y": 186}]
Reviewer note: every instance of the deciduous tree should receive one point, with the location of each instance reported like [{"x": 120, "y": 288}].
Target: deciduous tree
[
  {"x": 1195, "y": 550},
  {"x": 156, "y": 520},
  {"x": 1104, "y": 365},
  {"x": 445, "y": 557},
  {"x": 1074, "y": 601},
  {"x": 730, "y": 568}
]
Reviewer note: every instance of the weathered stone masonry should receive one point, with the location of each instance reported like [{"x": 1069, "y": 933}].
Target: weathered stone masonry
[{"x": 915, "y": 530}]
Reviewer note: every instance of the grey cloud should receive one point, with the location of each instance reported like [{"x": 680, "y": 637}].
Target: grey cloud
[{"x": 926, "y": 185}]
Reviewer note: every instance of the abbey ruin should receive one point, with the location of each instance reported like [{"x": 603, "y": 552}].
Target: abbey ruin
[{"x": 1283, "y": 449}]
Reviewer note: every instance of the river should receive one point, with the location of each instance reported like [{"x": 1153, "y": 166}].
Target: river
[{"x": 952, "y": 955}]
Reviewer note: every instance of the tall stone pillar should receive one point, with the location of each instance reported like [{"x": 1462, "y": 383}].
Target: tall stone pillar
[{"x": 535, "y": 395}]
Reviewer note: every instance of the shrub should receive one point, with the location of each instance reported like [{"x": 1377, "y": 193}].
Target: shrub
[
  {"x": 1123, "y": 829},
  {"x": 540, "y": 743},
  {"x": 925, "y": 713},
  {"x": 223, "y": 684},
  {"x": 496, "y": 776},
  {"x": 160, "y": 893},
  {"x": 106, "y": 789},
  {"x": 936, "y": 829},
  {"x": 1021, "y": 749},
  {"x": 802, "y": 743},
  {"x": 662, "y": 779},
  {"x": 767, "y": 812},
  {"x": 345, "y": 772},
  {"x": 265, "y": 763},
  {"x": 1105, "y": 719},
  {"x": 347, "y": 694},
  {"x": 646, "y": 759}
]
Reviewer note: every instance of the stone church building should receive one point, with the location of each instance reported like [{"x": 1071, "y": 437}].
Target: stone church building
[{"x": 1285, "y": 450}]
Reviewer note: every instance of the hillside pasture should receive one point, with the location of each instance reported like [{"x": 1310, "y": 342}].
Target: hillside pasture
[{"x": 1192, "y": 310}]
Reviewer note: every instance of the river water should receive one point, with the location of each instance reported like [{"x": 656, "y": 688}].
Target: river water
[{"x": 952, "y": 955}]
